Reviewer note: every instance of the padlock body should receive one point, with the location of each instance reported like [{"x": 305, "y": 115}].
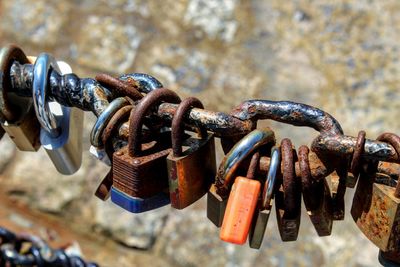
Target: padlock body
[
  {"x": 136, "y": 204},
  {"x": 288, "y": 225},
  {"x": 257, "y": 230},
  {"x": 191, "y": 175},
  {"x": 376, "y": 212},
  {"x": 240, "y": 210},
  {"x": 65, "y": 150},
  {"x": 145, "y": 175},
  {"x": 24, "y": 131},
  {"x": 215, "y": 206},
  {"x": 321, "y": 217}
]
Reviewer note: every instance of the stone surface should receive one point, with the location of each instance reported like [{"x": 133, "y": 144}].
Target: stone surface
[{"x": 342, "y": 57}]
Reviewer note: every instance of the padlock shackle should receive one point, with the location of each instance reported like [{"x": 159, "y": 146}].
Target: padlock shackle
[
  {"x": 293, "y": 113},
  {"x": 138, "y": 114},
  {"x": 178, "y": 127},
  {"x": 291, "y": 188},
  {"x": 237, "y": 154},
  {"x": 104, "y": 118},
  {"x": 270, "y": 182},
  {"x": 40, "y": 89},
  {"x": 310, "y": 189},
  {"x": 8, "y": 55},
  {"x": 393, "y": 140}
]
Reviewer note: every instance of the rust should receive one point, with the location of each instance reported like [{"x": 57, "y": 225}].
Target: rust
[
  {"x": 9, "y": 55},
  {"x": 152, "y": 99},
  {"x": 319, "y": 168},
  {"x": 309, "y": 186},
  {"x": 255, "y": 160},
  {"x": 358, "y": 151},
  {"x": 288, "y": 198},
  {"x": 289, "y": 183},
  {"x": 177, "y": 126},
  {"x": 393, "y": 140},
  {"x": 343, "y": 146},
  {"x": 124, "y": 88},
  {"x": 288, "y": 112}
]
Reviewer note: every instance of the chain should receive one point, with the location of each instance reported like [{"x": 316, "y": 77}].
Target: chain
[
  {"x": 29, "y": 250},
  {"x": 113, "y": 101}
]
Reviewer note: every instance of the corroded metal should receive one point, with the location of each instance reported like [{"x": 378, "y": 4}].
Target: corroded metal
[
  {"x": 288, "y": 112},
  {"x": 288, "y": 198},
  {"x": 343, "y": 146}
]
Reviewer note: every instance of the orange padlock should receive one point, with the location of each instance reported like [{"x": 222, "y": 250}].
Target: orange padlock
[{"x": 241, "y": 206}]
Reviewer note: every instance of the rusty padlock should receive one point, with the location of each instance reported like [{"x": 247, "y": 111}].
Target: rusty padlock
[
  {"x": 288, "y": 198},
  {"x": 17, "y": 114},
  {"x": 140, "y": 174},
  {"x": 241, "y": 206},
  {"x": 376, "y": 207},
  {"x": 316, "y": 196},
  {"x": 261, "y": 216},
  {"x": 217, "y": 196},
  {"x": 192, "y": 170}
]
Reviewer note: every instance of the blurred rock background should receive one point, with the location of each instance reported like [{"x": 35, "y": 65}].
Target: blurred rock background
[{"x": 341, "y": 56}]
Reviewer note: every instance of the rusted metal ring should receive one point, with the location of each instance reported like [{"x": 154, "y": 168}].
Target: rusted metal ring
[
  {"x": 290, "y": 187},
  {"x": 309, "y": 187},
  {"x": 270, "y": 182},
  {"x": 8, "y": 55},
  {"x": 112, "y": 126},
  {"x": 177, "y": 125},
  {"x": 152, "y": 99},
  {"x": 251, "y": 171},
  {"x": 121, "y": 87},
  {"x": 245, "y": 147},
  {"x": 104, "y": 118},
  {"x": 358, "y": 151},
  {"x": 393, "y": 140}
]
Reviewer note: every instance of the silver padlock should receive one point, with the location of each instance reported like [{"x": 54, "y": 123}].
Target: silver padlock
[
  {"x": 61, "y": 127},
  {"x": 17, "y": 115}
]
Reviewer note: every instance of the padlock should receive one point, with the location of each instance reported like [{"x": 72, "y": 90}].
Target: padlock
[
  {"x": 241, "y": 205},
  {"x": 337, "y": 187},
  {"x": 261, "y": 216},
  {"x": 376, "y": 207},
  {"x": 140, "y": 175},
  {"x": 316, "y": 196},
  {"x": 191, "y": 164},
  {"x": 218, "y": 194},
  {"x": 61, "y": 126},
  {"x": 17, "y": 114},
  {"x": 288, "y": 198}
]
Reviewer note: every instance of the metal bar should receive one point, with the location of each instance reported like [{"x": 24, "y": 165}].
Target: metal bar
[{"x": 343, "y": 146}]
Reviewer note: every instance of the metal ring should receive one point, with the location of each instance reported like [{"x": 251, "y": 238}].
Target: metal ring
[
  {"x": 291, "y": 190},
  {"x": 270, "y": 182},
  {"x": 104, "y": 118},
  {"x": 147, "y": 83},
  {"x": 238, "y": 153},
  {"x": 358, "y": 151},
  {"x": 137, "y": 115},
  {"x": 177, "y": 126},
  {"x": 121, "y": 87},
  {"x": 40, "y": 87},
  {"x": 8, "y": 55},
  {"x": 309, "y": 188}
]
